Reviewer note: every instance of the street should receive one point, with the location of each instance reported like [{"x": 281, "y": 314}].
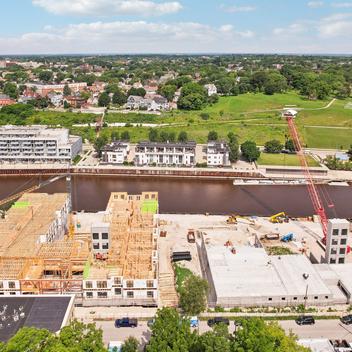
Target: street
[{"x": 331, "y": 329}]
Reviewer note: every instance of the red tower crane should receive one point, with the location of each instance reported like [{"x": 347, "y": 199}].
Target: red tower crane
[{"x": 312, "y": 189}]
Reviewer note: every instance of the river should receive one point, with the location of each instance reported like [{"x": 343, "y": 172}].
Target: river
[{"x": 91, "y": 193}]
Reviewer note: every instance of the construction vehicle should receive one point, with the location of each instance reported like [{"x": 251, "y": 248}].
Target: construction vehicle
[
  {"x": 278, "y": 218},
  {"x": 232, "y": 220},
  {"x": 272, "y": 236},
  {"x": 312, "y": 189},
  {"x": 191, "y": 238},
  {"x": 287, "y": 238}
]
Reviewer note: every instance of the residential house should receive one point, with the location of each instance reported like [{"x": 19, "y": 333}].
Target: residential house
[
  {"x": 165, "y": 154},
  {"x": 6, "y": 100},
  {"x": 56, "y": 99},
  {"x": 116, "y": 152},
  {"x": 218, "y": 154},
  {"x": 211, "y": 89}
]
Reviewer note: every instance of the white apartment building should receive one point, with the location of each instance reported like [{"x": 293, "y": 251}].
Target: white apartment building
[
  {"x": 165, "y": 154},
  {"x": 31, "y": 144},
  {"x": 211, "y": 89},
  {"x": 115, "y": 152},
  {"x": 218, "y": 154},
  {"x": 337, "y": 241}
]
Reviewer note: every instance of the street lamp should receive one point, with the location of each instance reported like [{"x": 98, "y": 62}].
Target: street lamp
[{"x": 306, "y": 277}]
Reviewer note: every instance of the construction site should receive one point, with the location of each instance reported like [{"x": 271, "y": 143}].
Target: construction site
[{"x": 44, "y": 249}]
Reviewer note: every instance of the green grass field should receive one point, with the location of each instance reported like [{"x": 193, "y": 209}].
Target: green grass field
[{"x": 283, "y": 159}]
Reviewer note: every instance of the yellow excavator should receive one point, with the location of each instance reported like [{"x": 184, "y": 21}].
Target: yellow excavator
[
  {"x": 279, "y": 218},
  {"x": 232, "y": 220}
]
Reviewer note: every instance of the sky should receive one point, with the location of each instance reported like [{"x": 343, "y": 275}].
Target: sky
[{"x": 175, "y": 26}]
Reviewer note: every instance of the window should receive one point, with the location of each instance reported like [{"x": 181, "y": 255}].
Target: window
[
  {"x": 1, "y": 284},
  {"x": 335, "y": 232},
  {"x": 315, "y": 297},
  {"x": 96, "y": 246},
  {"x": 343, "y": 241},
  {"x": 344, "y": 232},
  {"x": 129, "y": 284},
  {"x": 89, "y": 294},
  {"x": 117, "y": 281},
  {"x": 12, "y": 293},
  {"x": 150, "y": 294},
  {"x": 150, "y": 283},
  {"x": 342, "y": 250},
  {"x": 95, "y": 236},
  {"x": 118, "y": 291},
  {"x": 334, "y": 242},
  {"x": 12, "y": 284},
  {"x": 270, "y": 299},
  {"x": 102, "y": 295},
  {"x": 283, "y": 299},
  {"x": 342, "y": 261},
  {"x": 102, "y": 284},
  {"x": 130, "y": 294},
  {"x": 333, "y": 251},
  {"x": 89, "y": 284},
  {"x": 105, "y": 246},
  {"x": 295, "y": 298},
  {"x": 105, "y": 236},
  {"x": 326, "y": 297},
  {"x": 332, "y": 261}
]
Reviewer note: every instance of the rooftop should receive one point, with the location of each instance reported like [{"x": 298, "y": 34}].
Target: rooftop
[{"x": 189, "y": 144}]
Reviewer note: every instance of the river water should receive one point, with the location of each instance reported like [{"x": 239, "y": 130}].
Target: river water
[{"x": 91, "y": 193}]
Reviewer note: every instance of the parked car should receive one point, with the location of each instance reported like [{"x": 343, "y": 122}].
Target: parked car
[
  {"x": 347, "y": 319},
  {"x": 305, "y": 320},
  {"x": 150, "y": 323},
  {"x": 126, "y": 323},
  {"x": 218, "y": 320}
]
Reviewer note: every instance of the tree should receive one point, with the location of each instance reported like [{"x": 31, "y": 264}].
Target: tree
[
  {"x": 213, "y": 136},
  {"x": 100, "y": 142},
  {"x": 67, "y": 90},
  {"x": 45, "y": 76},
  {"x": 217, "y": 340},
  {"x": 257, "y": 336},
  {"x": 168, "y": 91},
  {"x": 104, "y": 99},
  {"x": 153, "y": 135},
  {"x": 66, "y": 104},
  {"x": 289, "y": 145},
  {"x": 125, "y": 136},
  {"x": 115, "y": 136},
  {"x": 274, "y": 146},
  {"x": 193, "y": 97},
  {"x": 182, "y": 137},
  {"x": 119, "y": 98},
  {"x": 11, "y": 90},
  {"x": 250, "y": 151},
  {"x": 350, "y": 152},
  {"x": 193, "y": 295},
  {"x": 234, "y": 147},
  {"x": 130, "y": 345},
  {"x": 170, "y": 332},
  {"x": 141, "y": 92}
]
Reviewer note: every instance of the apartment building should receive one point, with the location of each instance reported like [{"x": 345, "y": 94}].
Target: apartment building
[
  {"x": 37, "y": 144},
  {"x": 116, "y": 152},
  {"x": 218, "y": 154},
  {"x": 44, "y": 89},
  {"x": 166, "y": 154}
]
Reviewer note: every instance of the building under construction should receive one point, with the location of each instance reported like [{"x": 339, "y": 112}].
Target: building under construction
[{"x": 112, "y": 261}]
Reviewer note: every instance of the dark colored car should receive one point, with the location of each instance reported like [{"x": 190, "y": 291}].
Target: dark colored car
[
  {"x": 347, "y": 319},
  {"x": 126, "y": 323},
  {"x": 305, "y": 320},
  {"x": 218, "y": 320}
]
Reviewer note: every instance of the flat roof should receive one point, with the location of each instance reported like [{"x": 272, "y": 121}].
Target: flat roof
[
  {"x": 317, "y": 345},
  {"x": 344, "y": 274},
  {"x": 252, "y": 273},
  {"x": 42, "y": 312}
]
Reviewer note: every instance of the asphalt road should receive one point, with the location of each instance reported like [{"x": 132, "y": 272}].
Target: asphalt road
[{"x": 331, "y": 329}]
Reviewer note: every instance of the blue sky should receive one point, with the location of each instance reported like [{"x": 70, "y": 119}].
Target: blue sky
[{"x": 175, "y": 26}]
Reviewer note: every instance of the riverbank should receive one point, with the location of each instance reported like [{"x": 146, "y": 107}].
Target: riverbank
[{"x": 319, "y": 174}]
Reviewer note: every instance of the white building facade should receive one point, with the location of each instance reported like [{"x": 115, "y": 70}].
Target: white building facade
[
  {"x": 31, "y": 144},
  {"x": 218, "y": 154},
  {"x": 166, "y": 154},
  {"x": 115, "y": 152}
]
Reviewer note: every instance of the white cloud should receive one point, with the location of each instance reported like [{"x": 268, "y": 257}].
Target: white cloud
[
  {"x": 315, "y": 4},
  {"x": 342, "y": 5},
  {"x": 108, "y": 7},
  {"x": 292, "y": 29},
  {"x": 338, "y": 25},
  {"x": 127, "y": 37},
  {"x": 235, "y": 8}
]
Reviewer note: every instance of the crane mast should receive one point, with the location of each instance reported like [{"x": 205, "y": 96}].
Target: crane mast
[{"x": 312, "y": 189}]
